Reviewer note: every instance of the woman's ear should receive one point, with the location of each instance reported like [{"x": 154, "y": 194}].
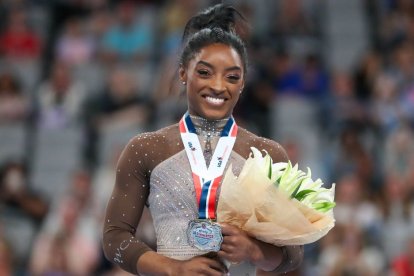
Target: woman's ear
[
  {"x": 242, "y": 87},
  {"x": 183, "y": 74}
]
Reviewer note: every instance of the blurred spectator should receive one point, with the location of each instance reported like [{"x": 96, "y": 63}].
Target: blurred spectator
[
  {"x": 293, "y": 19},
  {"x": 173, "y": 17},
  {"x": 60, "y": 99},
  {"x": 18, "y": 42},
  {"x": 350, "y": 256},
  {"x": 402, "y": 65},
  {"x": 398, "y": 215},
  {"x": 410, "y": 27},
  {"x": 22, "y": 212},
  {"x": 98, "y": 24},
  {"x": 309, "y": 81},
  {"x": 315, "y": 80},
  {"x": 342, "y": 106},
  {"x": 120, "y": 106},
  {"x": 75, "y": 46},
  {"x": 366, "y": 74},
  {"x": 399, "y": 152},
  {"x": 394, "y": 22},
  {"x": 403, "y": 265},
  {"x": 286, "y": 75},
  {"x": 6, "y": 267},
  {"x": 14, "y": 106},
  {"x": 387, "y": 110},
  {"x": 3, "y": 14},
  {"x": 128, "y": 39},
  {"x": 69, "y": 240},
  {"x": 355, "y": 206},
  {"x": 253, "y": 110},
  {"x": 350, "y": 157}
]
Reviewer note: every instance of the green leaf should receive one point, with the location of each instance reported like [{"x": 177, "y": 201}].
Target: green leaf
[
  {"x": 323, "y": 206},
  {"x": 297, "y": 183},
  {"x": 270, "y": 162},
  {"x": 277, "y": 182},
  {"x": 302, "y": 194}
]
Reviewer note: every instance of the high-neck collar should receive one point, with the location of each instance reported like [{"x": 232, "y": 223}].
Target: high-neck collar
[{"x": 208, "y": 127}]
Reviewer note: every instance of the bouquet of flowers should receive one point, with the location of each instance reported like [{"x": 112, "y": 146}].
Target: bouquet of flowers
[{"x": 276, "y": 202}]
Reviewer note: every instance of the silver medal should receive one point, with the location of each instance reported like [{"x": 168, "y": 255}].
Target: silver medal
[{"x": 204, "y": 235}]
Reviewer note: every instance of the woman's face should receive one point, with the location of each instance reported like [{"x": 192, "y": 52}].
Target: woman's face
[{"x": 214, "y": 80}]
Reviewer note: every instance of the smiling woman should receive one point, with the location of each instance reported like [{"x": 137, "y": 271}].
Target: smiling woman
[
  {"x": 214, "y": 80},
  {"x": 177, "y": 170}
]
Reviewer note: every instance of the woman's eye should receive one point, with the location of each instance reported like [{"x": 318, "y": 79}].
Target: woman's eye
[
  {"x": 203, "y": 72},
  {"x": 234, "y": 77}
]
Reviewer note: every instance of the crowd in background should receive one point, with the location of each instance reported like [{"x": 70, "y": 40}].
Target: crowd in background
[{"x": 79, "y": 78}]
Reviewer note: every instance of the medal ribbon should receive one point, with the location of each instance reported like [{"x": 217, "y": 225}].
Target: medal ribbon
[{"x": 206, "y": 180}]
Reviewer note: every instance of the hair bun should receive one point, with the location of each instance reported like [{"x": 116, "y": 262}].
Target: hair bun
[{"x": 220, "y": 16}]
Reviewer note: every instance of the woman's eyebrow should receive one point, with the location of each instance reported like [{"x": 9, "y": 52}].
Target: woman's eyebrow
[{"x": 232, "y": 68}]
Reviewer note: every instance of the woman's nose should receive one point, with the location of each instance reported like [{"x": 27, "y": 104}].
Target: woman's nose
[{"x": 217, "y": 84}]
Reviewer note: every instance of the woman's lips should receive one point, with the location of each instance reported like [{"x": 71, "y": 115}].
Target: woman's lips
[{"x": 214, "y": 100}]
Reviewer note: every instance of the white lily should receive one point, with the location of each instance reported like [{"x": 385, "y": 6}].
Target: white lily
[{"x": 296, "y": 183}]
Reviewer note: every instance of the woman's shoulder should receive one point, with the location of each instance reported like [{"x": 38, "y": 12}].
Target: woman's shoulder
[
  {"x": 156, "y": 144},
  {"x": 157, "y": 136},
  {"x": 153, "y": 147},
  {"x": 275, "y": 149}
]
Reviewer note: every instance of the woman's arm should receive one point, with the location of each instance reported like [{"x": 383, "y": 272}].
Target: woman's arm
[{"x": 124, "y": 210}]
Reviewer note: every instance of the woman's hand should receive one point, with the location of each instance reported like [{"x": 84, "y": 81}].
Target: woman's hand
[
  {"x": 152, "y": 263},
  {"x": 199, "y": 266},
  {"x": 237, "y": 246}
]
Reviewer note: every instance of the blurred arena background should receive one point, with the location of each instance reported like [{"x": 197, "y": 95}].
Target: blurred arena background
[{"x": 332, "y": 81}]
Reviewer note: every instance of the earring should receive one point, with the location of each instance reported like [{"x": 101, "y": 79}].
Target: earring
[
  {"x": 184, "y": 83},
  {"x": 241, "y": 90}
]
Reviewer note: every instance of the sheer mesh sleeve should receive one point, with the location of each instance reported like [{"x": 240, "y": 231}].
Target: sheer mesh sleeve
[
  {"x": 136, "y": 163},
  {"x": 125, "y": 208},
  {"x": 292, "y": 258}
]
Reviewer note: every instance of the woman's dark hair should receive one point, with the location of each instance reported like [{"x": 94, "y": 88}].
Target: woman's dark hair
[{"x": 216, "y": 24}]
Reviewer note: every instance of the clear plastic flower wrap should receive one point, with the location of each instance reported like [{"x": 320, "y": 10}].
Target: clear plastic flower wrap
[{"x": 276, "y": 202}]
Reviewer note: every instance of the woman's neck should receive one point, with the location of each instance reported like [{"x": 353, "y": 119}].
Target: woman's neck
[{"x": 208, "y": 127}]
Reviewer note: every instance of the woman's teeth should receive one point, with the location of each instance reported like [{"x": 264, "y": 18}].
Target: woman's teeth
[{"x": 214, "y": 100}]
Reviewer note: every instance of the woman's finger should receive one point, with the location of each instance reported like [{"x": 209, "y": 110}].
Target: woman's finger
[
  {"x": 226, "y": 248},
  {"x": 228, "y": 230},
  {"x": 216, "y": 265},
  {"x": 227, "y": 256}
]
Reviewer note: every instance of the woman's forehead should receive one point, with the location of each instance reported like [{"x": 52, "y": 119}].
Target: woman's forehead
[{"x": 218, "y": 52}]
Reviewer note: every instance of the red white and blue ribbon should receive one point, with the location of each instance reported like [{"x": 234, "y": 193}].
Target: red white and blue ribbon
[{"x": 207, "y": 180}]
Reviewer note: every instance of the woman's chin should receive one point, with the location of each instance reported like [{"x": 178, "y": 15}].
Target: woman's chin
[
  {"x": 215, "y": 115},
  {"x": 211, "y": 114}
]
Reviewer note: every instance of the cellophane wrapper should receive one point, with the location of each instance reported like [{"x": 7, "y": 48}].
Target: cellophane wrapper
[{"x": 254, "y": 204}]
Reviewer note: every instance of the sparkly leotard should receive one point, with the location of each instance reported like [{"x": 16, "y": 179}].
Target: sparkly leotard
[{"x": 154, "y": 169}]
